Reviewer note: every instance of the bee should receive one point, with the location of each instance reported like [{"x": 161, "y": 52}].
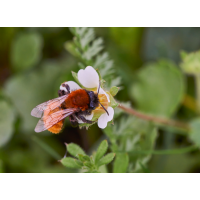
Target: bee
[{"x": 75, "y": 105}]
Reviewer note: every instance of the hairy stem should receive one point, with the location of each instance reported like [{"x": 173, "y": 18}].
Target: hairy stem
[{"x": 155, "y": 119}]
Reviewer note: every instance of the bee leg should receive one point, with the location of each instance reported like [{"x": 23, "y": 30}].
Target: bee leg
[
  {"x": 83, "y": 119},
  {"x": 73, "y": 120},
  {"x": 67, "y": 87},
  {"x": 61, "y": 93}
]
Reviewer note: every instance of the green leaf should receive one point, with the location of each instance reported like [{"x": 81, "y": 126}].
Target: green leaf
[
  {"x": 26, "y": 50},
  {"x": 7, "y": 117},
  {"x": 103, "y": 147},
  {"x": 195, "y": 131},
  {"x": 74, "y": 150},
  {"x": 71, "y": 163},
  {"x": 121, "y": 163},
  {"x": 114, "y": 90},
  {"x": 88, "y": 164},
  {"x": 103, "y": 169},
  {"x": 112, "y": 103},
  {"x": 158, "y": 88},
  {"x": 106, "y": 159},
  {"x": 191, "y": 62},
  {"x": 78, "y": 162},
  {"x": 83, "y": 158}
]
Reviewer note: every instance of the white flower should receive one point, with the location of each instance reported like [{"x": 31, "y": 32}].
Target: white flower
[{"x": 89, "y": 79}]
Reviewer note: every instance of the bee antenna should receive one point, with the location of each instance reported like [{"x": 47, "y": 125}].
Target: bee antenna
[
  {"x": 99, "y": 86},
  {"x": 104, "y": 108}
]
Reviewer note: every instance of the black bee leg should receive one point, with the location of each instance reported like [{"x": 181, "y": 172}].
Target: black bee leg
[
  {"x": 61, "y": 93},
  {"x": 67, "y": 87},
  {"x": 83, "y": 119},
  {"x": 73, "y": 120}
]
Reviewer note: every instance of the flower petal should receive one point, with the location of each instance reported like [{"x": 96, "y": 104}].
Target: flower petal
[
  {"x": 88, "y": 117},
  {"x": 89, "y": 77},
  {"x": 73, "y": 86},
  {"x": 111, "y": 113},
  {"x": 105, "y": 118},
  {"x": 101, "y": 91},
  {"x": 102, "y": 121}
]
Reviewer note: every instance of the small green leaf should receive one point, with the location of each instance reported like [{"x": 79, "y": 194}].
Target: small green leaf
[
  {"x": 74, "y": 150},
  {"x": 71, "y": 163},
  {"x": 103, "y": 147},
  {"x": 114, "y": 90},
  {"x": 113, "y": 103},
  {"x": 26, "y": 50},
  {"x": 78, "y": 162},
  {"x": 106, "y": 159},
  {"x": 195, "y": 131},
  {"x": 83, "y": 158},
  {"x": 121, "y": 163},
  {"x": 88, "y": 164}
]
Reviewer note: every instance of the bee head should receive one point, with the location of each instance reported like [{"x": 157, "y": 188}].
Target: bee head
[{"x": 94, "y": 100}]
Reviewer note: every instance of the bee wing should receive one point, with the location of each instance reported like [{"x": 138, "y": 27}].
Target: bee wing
[
  {"x": 48, "y": 105},
  {"x": 48, "y": 121}
]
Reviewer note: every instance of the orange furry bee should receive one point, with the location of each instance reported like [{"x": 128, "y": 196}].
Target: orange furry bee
[{"x": 75, "y": 104}]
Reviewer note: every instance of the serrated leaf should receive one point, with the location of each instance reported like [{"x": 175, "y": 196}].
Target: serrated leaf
[
  {"x": 114, "y": 90},
  {"x": 71, "y": 163},
  {"x": 83, "y": 158},
  {"x": 195, "y": 131},
  {"x": 103, "y": 147},
  {"x": 158, "y": 88},
  {"x": 7, "y": 117},
  {"x": 26, "y": 50},
  {"x": 121, "y": 163},
  {"x": 106, "y": 159},
  {"x": 74, "y": 150}
]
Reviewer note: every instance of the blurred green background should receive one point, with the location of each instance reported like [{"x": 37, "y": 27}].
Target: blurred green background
[{"x": 33, "y": 64}]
